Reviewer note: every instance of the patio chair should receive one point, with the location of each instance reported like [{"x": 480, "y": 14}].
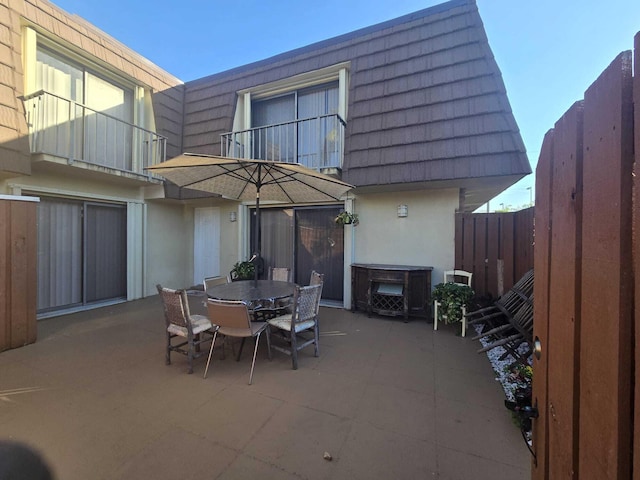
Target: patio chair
[
  {"x": 233, "y": 320},
  {"x": 304, "y": 317},
  {"x": 316, "y": 278},
  {"x": 282, "y": 274},
  {"x": 213, "y": 281},
  {"x": 459, "y": 277},
  {"x": 194, "y": 329}
]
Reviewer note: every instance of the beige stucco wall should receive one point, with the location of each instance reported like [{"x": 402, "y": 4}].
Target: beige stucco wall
[
  {"x": 425, "y": 237},
  {"x": 169, "y": 246}
]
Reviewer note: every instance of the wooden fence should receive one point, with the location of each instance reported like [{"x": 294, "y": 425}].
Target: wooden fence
[
  {"x": 586, "y": 366},
  {"x": 496, "y": 247}
]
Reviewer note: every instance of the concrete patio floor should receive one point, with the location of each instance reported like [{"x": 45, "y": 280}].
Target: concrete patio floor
[{"x": 387, "y": 399}]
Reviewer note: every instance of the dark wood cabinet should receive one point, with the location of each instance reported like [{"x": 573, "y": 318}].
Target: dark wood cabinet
[{"x": 395, "y": 290}]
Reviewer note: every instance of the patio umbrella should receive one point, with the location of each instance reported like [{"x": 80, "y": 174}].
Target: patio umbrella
[{"x": 244, "y": 179}]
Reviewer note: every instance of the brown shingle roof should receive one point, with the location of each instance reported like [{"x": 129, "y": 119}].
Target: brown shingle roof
[{"x": 426, "y": 99}]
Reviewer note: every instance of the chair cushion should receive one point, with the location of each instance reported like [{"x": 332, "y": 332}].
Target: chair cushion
[
  {"x": 199, "y": 323},
  {"x": 283, "y": 322}
]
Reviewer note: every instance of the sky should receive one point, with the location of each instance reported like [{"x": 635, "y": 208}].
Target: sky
[{"x": 549, "y": 51}]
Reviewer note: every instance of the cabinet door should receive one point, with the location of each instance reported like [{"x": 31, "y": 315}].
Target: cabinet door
[{"x": 360, "y": 287}]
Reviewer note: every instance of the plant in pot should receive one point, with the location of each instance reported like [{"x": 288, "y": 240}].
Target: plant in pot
[
  {"x": 243, "y": 271},
  {"x": 347, "y": 218},
  {"x": 451, "y": 297}
]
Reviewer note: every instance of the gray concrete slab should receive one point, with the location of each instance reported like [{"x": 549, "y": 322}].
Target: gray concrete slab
[{"x": 386, "y": 399}]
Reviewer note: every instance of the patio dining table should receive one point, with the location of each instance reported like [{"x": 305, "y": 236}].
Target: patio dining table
[{"x": 260, "y": 295}]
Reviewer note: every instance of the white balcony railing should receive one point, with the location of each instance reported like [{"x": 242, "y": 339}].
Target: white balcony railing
[
  {"x": 63, "y": 128},
  {"x": 316, "y": 143}
]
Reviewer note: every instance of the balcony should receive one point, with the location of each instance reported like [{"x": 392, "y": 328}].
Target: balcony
[
  {"x": 65, "y": 129},
  {"x": 316, "y": 143}
]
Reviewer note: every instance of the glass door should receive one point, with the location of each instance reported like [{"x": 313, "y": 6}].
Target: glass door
[
  {"x": 82, "y": 253},
  {"x": 304, "y": 239}
]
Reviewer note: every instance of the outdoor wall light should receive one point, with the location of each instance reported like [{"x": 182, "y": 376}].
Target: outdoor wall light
[
  {"x": 403, "y": 211},
  {"x": 233, "y": 216}
]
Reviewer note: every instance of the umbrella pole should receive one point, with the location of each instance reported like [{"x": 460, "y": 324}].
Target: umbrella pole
[{"x": 256, "y": 234}]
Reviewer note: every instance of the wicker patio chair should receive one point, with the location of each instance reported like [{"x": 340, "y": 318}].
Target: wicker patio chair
[
  {"x": 316, "y": 278},
  {"x": 282, "y": 274},
  {"x": 193, "y": 329},
  {"x": 304, "y": 317}
]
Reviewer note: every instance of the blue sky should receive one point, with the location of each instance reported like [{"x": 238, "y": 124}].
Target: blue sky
[{"x": 549, "y": 51}]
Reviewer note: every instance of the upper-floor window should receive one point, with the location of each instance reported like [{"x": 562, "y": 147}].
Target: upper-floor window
[
  {"x": 80, "y": 110},
  {"x": 63, "y": 77},
  {"x": 302, "y": 121},
  {"x": 299, "y": 119}
]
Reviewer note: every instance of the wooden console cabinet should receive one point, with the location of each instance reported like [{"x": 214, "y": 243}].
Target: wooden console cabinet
[{"x": 395, "y": 290}]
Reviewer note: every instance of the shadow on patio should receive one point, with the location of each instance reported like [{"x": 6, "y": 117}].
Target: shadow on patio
[{"x": 386, "y": 399}]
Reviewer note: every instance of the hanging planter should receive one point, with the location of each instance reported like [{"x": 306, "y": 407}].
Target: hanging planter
[{"x": 346, "y": 218}]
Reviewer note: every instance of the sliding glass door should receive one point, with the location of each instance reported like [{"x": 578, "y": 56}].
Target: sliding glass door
[
  {"x": 305, "y": 239},
  {"x": 82, "y": 253}
]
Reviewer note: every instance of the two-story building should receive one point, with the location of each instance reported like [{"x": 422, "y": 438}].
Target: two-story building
[{"x": 413, "y": 112}]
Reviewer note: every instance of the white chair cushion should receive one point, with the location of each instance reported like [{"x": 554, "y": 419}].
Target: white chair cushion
[
  {"x": 283, "y": 322},
  {"x": 199, "y": 323}
]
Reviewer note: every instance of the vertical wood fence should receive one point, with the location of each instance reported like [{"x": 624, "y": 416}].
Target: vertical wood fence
[
  {"x": 18, "y": 271},
  {"x": 496, "y": 247},
  {"x": 586, "y": 364}
]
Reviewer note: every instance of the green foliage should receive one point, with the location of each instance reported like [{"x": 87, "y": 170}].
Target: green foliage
[
  {"x": 243, "y": 271},
  {"x": 346, "y": 218},
  {"x": 451, "y": 296},
  {"x": 521, "y": 375}
]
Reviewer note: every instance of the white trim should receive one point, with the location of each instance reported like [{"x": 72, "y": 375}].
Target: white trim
[
  {"x": 296, "y": 82},
  {"x": 57, "y": 192},
  {"x": 136, "y": 222},
  {"x": 29, "y": 62},
  {"x": 349, "y": 254},
  {"x": 19, "y": 198}
]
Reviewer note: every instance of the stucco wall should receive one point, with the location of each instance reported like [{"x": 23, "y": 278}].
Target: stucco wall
[
  {"x": 169, "y": 246},
  {"x": 425, "y": 237}
]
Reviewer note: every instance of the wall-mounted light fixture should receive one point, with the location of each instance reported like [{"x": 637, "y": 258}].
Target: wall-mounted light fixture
[
  {"x": 403, "y": 211},
  {"x": 233, "y": 216}
]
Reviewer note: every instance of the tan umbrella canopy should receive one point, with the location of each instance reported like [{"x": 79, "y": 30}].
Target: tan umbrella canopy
[{"x": 243, "y": 179}]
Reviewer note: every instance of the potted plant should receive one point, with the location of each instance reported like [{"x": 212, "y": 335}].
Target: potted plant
[
  {"x": 243, "y": 271},
  {"x": 451, "y": 297},
  {"x": 347, "y": 218}
]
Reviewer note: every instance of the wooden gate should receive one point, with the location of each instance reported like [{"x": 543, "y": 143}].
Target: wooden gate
[{"x": 586, "y": 365}]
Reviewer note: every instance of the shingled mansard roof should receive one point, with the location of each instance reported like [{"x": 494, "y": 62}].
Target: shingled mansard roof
[{"x": 427, "y": 104}]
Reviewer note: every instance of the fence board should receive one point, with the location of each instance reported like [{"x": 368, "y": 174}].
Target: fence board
[
  {"x": 564, "y": 296},
  {"x": 459, "y": 233},
  {"x": 508, "y": 252},
  {"x": 493, "y": 247},
  {"x": 605, "y": 342},
  {"x": 636, "y": 248},
  {"x": 468, "y": 240},
  {"x": 524, "y": 248},
  {"x": 542, "y": 255},
  {"x": 480, "y": 253}
]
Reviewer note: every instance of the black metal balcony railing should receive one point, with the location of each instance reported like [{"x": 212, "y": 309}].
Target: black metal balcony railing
[
  {"x": 64, "y": 128},
  {"x": 316, "y": 143}
]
